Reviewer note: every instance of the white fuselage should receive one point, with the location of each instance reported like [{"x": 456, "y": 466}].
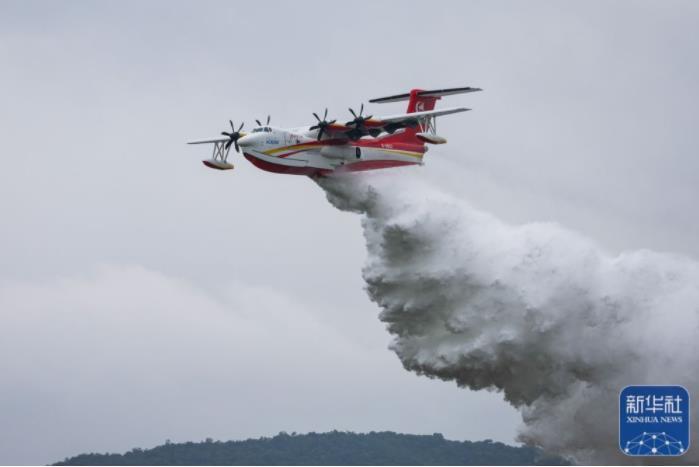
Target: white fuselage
[{"x": 298, "y": 151}]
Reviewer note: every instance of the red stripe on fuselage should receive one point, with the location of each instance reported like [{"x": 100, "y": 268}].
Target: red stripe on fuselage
[
  {"x": 371, "y": 144},
  {"x": 314, "y": 171},
  {"x": 284, "y": 169},
  {"x": 292, "y": 152}
]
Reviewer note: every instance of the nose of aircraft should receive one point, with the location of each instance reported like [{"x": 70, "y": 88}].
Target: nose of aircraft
[{"x": 247, "y": 140}]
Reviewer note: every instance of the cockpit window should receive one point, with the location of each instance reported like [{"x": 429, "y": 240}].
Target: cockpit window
[
  {"x": 257, "y": 130},
  {"x": 265, "y": 129}
]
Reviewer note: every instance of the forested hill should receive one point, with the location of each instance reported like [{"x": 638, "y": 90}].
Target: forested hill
[{"x": 334, "y": 448}]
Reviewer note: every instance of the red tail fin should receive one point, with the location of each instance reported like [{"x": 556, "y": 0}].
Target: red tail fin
[
  {"x": 418, "y": 103},
  {"x": 419, "y": 100}
]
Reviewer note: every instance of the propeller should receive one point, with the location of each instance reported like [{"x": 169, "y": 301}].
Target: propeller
[
  {"x": 358, "y": 124},
  {"x": 359, "y": 120},
  {"x": 234, "y": 136},
  {"x": 260, "y": 124},
  {"x": 322, "y": 124}
]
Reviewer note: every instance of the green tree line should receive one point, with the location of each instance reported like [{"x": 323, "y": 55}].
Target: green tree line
[{"x": 333, "y": 448}]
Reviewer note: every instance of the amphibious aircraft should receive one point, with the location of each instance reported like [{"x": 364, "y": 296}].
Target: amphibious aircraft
[{"x": 329, "y": 146}]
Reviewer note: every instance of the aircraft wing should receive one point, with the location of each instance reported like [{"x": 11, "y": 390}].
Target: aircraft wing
[
  {"x": 209, "y": 141},
  {"x": 389, "y": 123}
]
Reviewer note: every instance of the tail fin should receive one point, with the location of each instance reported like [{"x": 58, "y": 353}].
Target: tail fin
[{"x": 419, "y": 100}]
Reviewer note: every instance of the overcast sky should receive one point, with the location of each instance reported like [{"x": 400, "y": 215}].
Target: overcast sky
[{"x": 144, "y": 297}]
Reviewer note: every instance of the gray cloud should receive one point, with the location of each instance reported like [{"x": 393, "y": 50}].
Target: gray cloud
[{"x": 124, "y": 356}]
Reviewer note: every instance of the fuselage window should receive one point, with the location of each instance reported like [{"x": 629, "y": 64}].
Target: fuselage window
[{"x": 358, "y": 152}]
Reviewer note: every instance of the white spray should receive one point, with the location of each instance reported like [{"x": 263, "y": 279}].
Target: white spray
[{"x": 535, "y": 311}]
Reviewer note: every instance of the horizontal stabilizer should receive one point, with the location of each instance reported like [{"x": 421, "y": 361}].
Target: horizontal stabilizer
[
  {"x": 432, "y": 93},
  {"x": 422, "y": 115}
]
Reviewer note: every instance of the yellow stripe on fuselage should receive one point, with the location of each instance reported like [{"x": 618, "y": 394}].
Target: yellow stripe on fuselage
[
  {"x": 301, "y": 147},
  {"x": 417, "y": 155},
  {"x": 305, "y": 147}
]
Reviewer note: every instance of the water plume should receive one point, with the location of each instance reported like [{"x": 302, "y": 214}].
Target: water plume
[{"x": 535, "y": 311}]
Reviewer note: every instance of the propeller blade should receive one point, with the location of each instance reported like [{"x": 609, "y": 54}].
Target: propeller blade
[
  {"x": 258, "y": 122},
  {"x": 232, "y": 126},
  {"x": 361, "y": 109},
  {"x": 241, "y": 127},
  {"x": 228, "y": 143},
  {"x": 352, "y": 112},
  {"x": 368, "y": 118},
  {"x": 224, "y": 133},
  {"x": 322, "y": 125},
  {"x": 268, "y": 116},
  {"x": 237, "y": 148}
]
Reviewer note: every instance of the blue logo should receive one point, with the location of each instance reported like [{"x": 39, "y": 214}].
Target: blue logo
[{"x": 654, "y": 420}]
